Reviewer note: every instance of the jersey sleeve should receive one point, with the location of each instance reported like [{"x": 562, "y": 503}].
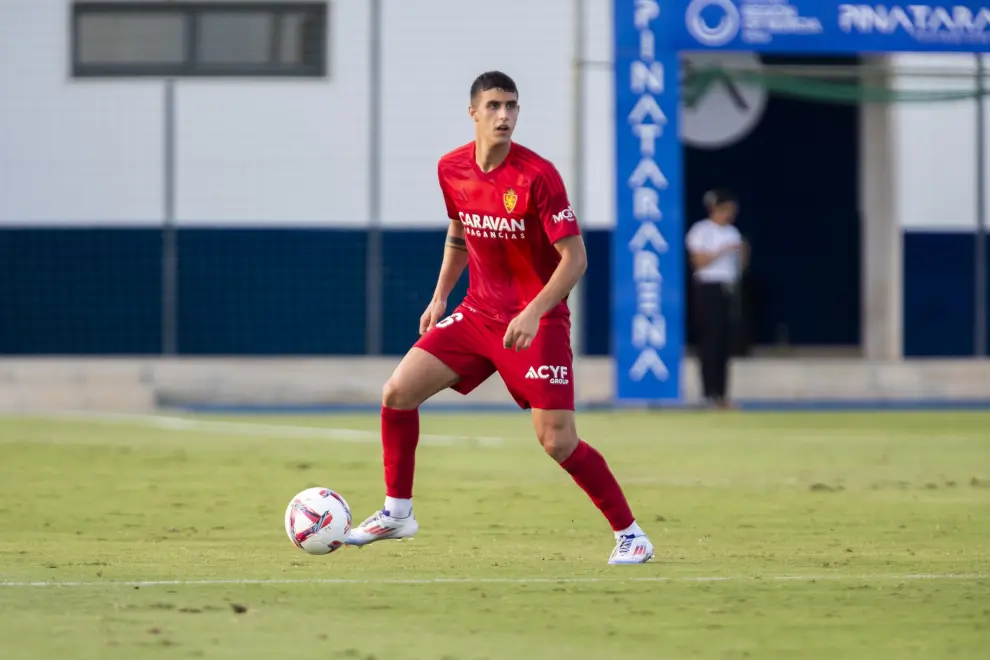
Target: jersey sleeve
[
  {"x": 447, "y": 199},
  {"x": 552, "y": 206}
]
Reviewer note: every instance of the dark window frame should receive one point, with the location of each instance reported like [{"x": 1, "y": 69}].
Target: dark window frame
[{"x": 192, "y": 66}]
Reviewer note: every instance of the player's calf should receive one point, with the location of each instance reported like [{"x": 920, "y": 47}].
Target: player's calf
[
  {"x": 558, "y": 435},
  {"x": 419, "y": 376}
]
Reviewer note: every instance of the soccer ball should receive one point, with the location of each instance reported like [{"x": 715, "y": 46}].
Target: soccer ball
[{"x": 317, "y": 521}]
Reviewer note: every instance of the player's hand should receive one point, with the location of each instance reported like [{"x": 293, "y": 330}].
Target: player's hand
[
  {"x": 434, "y": 312},
  {"x": 521, "y": 331}
]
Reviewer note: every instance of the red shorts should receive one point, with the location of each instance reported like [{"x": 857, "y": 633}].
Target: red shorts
[{"x": 471, "y": 345}]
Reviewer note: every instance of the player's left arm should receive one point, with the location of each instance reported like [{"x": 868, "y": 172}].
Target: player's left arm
[
  {"x": 561, "y": 226},
  {"x": 573, "y": 263}
]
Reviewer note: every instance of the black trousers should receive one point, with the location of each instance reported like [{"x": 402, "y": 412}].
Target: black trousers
[{"x": 716, "y": 333}]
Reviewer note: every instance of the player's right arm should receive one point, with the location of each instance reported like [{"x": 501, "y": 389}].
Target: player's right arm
[{"x": 455, "y": 260}]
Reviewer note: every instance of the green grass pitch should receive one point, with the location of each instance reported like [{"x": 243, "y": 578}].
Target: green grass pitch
[{"x": 778, "y": 535}]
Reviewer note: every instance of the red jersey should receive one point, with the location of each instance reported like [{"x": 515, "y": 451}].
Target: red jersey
[{"x": 512, "y": 216}]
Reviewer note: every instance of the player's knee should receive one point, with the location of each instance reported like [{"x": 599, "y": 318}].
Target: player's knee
[
  {"x": 558, "y": 437},
  {"x": 398, "y": 396}
]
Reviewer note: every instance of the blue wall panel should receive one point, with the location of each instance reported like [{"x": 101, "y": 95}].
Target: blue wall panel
[
  {"x": 411, "y": 263},
  {"x": 241, "y": 291},
  {"x": 80, "y": 291},
  {"x": 271, "y": 292},
  {"x": 597, "y": 294},
  {"x": 299, "y": 292},
  {"x": 939, "y": 292}
]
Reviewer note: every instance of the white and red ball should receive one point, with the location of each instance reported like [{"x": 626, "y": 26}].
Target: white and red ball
[{"x": 317, "y": 520}]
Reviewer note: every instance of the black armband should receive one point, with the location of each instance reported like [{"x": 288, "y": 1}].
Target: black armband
[{"x": 456, "y": 242}]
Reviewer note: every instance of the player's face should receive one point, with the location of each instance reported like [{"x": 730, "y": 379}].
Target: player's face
[{"x": 495, "y": 112}]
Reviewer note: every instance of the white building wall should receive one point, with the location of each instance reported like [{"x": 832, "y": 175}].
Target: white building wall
[
  {"x": 284, "y": 152},
  {"x": 433, "y": 51},
  {"x": 295, "y": 152},
  {"x": 71, "y": 152},
  {"x": 280, "y": 152},
  {"x": 934, "y": 146}
]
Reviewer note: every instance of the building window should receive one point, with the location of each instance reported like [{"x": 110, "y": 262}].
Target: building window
[{"x": 199, "y": 39}]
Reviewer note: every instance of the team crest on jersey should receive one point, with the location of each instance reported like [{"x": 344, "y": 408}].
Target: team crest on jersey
[{"x": 509, "y": 199}]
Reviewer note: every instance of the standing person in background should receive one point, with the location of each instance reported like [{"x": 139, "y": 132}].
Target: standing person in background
[{"x": 718, "y": 256}]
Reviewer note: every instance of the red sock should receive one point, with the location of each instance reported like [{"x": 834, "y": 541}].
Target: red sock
[
  {"x": 590, "y": 471},
  {"x": 400, "y": 435}
]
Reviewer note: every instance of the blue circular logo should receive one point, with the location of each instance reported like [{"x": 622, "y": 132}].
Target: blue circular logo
[{"x": 719, "y": 34}]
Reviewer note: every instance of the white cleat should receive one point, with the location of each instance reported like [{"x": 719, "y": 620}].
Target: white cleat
[
  {"x": 382, "y": 526},
  {"x": 631, "y": 549}
]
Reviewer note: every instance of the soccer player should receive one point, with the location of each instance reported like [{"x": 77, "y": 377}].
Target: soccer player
[{"x": 512, "y": 225}]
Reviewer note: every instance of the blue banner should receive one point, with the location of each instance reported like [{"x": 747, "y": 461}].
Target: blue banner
[
  {"x": 647, "y": 246},
  {"x": 825, "y": 26},
  {"x": 648, "y": 321}
]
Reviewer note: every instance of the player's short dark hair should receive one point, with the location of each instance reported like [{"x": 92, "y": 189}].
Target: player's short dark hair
[
  {"x": 493, "y": 80},
  {"x": 717, "y": 197}
]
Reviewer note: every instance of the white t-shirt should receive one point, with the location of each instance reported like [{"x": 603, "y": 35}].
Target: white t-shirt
[{"x": 709, "y": 236}]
